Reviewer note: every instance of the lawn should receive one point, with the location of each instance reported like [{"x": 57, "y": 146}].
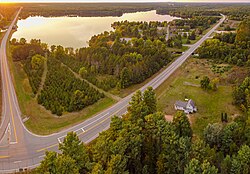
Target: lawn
[
  {"x": 40, "y": 120},
  {"x": 184, "y": 83}
]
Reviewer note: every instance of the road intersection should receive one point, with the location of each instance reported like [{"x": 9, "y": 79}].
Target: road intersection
[{"x": 21, "y": 149}]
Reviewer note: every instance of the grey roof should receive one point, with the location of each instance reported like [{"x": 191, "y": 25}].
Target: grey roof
[
  {"x": 181, "y": 104},
  {"x": 191, "y": 102}
]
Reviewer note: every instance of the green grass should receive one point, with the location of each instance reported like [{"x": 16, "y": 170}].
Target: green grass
[
  {"x": 40, "y": 120},
  {"x": 210, "y": 104},
  {"x": 184, "y": 40},
  {"x": 184, "y": 48},
  {"x": 44, "y": 123}
]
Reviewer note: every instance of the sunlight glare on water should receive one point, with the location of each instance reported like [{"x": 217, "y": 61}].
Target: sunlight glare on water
[{"x": 76, "y": 31}]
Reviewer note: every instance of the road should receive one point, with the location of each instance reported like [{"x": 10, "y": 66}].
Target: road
[{"x": 22, "y": 149}]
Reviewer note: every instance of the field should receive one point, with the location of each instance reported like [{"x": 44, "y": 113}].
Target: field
[{"x": 185, "y": 83}]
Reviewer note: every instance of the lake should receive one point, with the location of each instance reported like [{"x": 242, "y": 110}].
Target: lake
[{"x": 76, "y": 31}]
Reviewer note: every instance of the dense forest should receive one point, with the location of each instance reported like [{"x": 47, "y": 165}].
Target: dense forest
[
  {"x": 131, "y": 53},
  {"x": 232, "y": 48},
  {"x": 121, "y": 63},
  {"x": 62, "y": 91},
  {"x": 142, "y": 141}
]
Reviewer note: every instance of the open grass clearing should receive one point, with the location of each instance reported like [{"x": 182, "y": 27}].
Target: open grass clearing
[{"x": 210, "y": 104}]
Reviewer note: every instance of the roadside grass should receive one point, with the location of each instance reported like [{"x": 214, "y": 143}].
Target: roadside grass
[
  {"x": 184, "y": 48},
  {"x": 41, "y": 121},
  {"x": 210, "y": 104}
]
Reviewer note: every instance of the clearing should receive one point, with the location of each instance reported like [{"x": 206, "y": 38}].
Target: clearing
[{"x": 184, "y": 83}]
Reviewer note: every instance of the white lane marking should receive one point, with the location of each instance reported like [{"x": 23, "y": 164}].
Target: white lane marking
[
  {"x": 42, "y": 156},
  {"x": 96, "y": 120},
  {"x": 17, "y": 162},
  {"x": 59, "y": 139},
  {"x": 13, "y": 142}
]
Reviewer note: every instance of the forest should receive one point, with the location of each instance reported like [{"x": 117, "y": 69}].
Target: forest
[
  {"x": 62, "y": 91},
  {"x": 232, "y": 48},
  {"x": 131, "y": 53},
  {"x": 142, "y": 141},
  {"x": 121, "y": 63}
]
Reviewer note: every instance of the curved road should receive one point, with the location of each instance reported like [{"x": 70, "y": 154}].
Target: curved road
[{"x": 21, "y": 149}]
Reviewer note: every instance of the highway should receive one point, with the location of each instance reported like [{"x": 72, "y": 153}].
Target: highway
[{"x": 21, "y": 149}]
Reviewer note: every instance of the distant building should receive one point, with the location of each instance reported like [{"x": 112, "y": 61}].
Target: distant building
[{"x": 188, "y": 107}]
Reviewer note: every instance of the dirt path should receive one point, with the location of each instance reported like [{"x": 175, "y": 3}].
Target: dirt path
[
  {"x": 116, "y": 98},
  {"x": 43, "y": 78}
]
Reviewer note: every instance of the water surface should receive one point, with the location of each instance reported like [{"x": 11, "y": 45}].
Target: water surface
[{"x": 76, "y": 31}]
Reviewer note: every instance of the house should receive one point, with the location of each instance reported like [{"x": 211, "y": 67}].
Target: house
[{"x": 188, "y": 107}]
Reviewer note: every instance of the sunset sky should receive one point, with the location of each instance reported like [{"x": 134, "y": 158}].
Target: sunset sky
[{"x": 125, "y": 1}]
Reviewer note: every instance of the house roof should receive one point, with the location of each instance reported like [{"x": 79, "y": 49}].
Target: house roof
[
  {"x": 191, "y": 102},
  {"x": 181, "y": 104}
]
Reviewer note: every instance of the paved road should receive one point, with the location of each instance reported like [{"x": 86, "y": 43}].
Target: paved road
[{"x": 22, "y": 149}]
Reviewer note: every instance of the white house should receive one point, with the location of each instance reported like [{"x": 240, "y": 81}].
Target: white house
[{"x": 188, "y": 107}]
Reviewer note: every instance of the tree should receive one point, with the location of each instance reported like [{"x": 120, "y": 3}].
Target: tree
[
  {"x": 226, "y": 165},
  {"x": 117, "y": 164},
  {"x": 212, "y": 134},
  {"x": 193, "y": 167},
  {"x": 182, "y": 124},
  {"x": 241, "y": 163},
  {"x": 205, "y": 83},
  {"x": 48, "y": 165},
  {"x": 207, "y": 168},
  {"x": 54, "y": 163},
  {"x": 22, "y": 41},
  {"x": 66, "y": 165},
  {"x": 149, "y": 99},
  {"x": 37, "y": 61},
  {"x": 83, "y": 72},
  {"x": 76, "y": 150},
  {"x": 97, "y": 169},
  {"x": 125, "y": 78},
  {"x": 192, "y": 36},
  {"x": 243, "y": 32}
]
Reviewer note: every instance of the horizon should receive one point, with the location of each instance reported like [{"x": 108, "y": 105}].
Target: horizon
[{"x": 124, "y": 1}]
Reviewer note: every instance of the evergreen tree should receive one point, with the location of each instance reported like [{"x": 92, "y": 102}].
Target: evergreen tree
[
  {"x": 182, "y": 124},
  {"x": 74, "y": 148}
]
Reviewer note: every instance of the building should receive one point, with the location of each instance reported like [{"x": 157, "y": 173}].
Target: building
[{"x": 188, "y": 107}]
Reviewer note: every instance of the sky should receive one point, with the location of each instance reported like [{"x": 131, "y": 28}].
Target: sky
[{"x": 125, "y": 1}]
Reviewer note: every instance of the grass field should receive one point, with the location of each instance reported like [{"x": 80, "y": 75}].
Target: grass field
[
  {"x": 40, "y": 120},
  {"x": 184, "y": 83}
]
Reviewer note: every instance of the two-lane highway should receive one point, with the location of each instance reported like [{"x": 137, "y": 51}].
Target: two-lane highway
[{"x": 23, "y": 149}]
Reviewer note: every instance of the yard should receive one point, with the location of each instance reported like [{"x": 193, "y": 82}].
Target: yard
[{"x": 185, "y": 83}]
